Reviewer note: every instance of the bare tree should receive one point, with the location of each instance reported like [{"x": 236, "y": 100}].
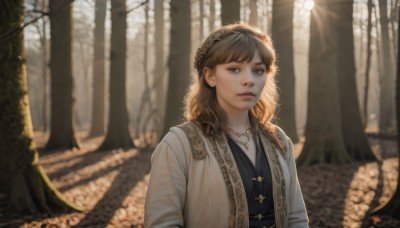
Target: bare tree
[
  {"x": 368, "y": 63},
  {"x": 118, "y": 135},
  {"x": 282, "y": 34},
  {"x": 178, "y": 62},
  {"x": 353, "y": 131},
  {"x": 62, "y": 130},
  {"x": 146, "y": 106},
  {"x": 24, "y": 182},
  {"x": 324, "y": 137},
  {"x": 160, "y": 64},
  {"x": 386, "y": 111},
  {"x": 42, "y": 32},
  {"x": 211, "y": 18},
  {"x": 201, "y": 19},
  {"x": 230, "y": 11},
  {"x": 98, "y": 105}
]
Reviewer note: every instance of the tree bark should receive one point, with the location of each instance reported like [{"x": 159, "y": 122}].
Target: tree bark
[
  {"x": 324, "y": 137},
  {"x": 393, "y": 19},
  {"x": 146, "y": 102},
  {"x": 386, "y": 112},
  {"x": 160, "y": 64},
  {"x": 211, "y": 18},
  {"x": 368, "y": 64},
  {"x": 282, "y": 34},
  {"x": 230, "y": 11},
  {"x": 118, "y": 135},
  {"x": 62, "y": 130},
  {"x": 178, "y": 62},
  {"x": 201, "y": 19},
  {"x": 355, "y": 140},
  {"x": 98, "y": 105},
  {"x": 392, "y": 207},
  {"x": 43, "y": 47},
  {"x": 24, "y": 182}
]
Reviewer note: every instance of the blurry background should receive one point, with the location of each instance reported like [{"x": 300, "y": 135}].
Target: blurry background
[{"x": 205, "y": 16}]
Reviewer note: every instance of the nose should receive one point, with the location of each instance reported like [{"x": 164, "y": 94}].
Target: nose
[{"x": 248, "y": 78}]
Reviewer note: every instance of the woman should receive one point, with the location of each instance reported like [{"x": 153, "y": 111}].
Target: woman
[{"x": 228, "y": 166}]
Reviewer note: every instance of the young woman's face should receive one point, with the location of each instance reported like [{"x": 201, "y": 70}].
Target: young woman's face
[{"x": 238, "y": 84}]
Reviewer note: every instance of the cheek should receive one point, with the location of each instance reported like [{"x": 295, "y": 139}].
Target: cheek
[
  {"x": 226, "y": 83},
  {"x": 261, "y": 83}
]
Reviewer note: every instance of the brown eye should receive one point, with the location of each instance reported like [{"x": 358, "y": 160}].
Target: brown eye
[{"x": 234, "y": 69}]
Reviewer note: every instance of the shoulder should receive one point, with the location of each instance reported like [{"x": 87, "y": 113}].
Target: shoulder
[
  {"x": 278, "y": 137},
  {"x": 282, "y": 137},
  {"x": 285, "y": 141},
  {"x": 173, "y": 136},
  {"x": 173, "y": 147},
  {"x": 190, "y": 137}
]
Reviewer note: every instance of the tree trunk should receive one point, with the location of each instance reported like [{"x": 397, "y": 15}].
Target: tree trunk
[
  {"x": 368, "y": 64},
  {"x": 354, "y": 137},
  {"x": 146, "y": 102},
  {"x": 201, "y": 19},
  {"x": 392, "y": 207},
  {"x": 230, "y": 11},
  {"x": 85, "y": 66},
  {"x": 211, "y": 18},
  {"x": 253, "y": 18},
  {"x": 387, "y": 78},
  {"x": 118, "y": 135},
  {"x": 62, "y": 130},
  {"x": 324, "y": 138},
  {"x": 24, "y": 182},
  {"x": 268, "y": 16},
  {"x": 393, "y": 19},
  {"x": 282, "y": 35},
  {"x": 98, "y": 106},
  {"x": 178, "y": 62},
  {"x": 45, "y": 64},
  {"x": 43, "y": 47},
  {"x": 160, "y": 65}
]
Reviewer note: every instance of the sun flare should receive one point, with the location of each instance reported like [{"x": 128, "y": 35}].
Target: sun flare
[{"x": 308, "y": 4}]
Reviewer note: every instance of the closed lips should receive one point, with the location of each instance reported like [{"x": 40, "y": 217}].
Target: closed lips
[{"x": 247, "y": 94}]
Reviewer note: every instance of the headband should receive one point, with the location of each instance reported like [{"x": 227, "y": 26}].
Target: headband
[{"x": 205, "y": 48}]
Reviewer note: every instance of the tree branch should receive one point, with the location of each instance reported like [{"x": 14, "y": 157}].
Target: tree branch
[
  {"x": 18, "y": 29},
  {"x": 138, "y": 6}
]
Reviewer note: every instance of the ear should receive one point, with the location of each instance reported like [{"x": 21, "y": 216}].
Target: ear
[{"x": 209, "y": 76}]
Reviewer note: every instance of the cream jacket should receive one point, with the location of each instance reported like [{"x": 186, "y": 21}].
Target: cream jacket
[{"x": 194, "y": 182}]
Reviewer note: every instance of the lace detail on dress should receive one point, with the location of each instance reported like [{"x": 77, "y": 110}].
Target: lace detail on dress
[
  {"x": 278, "y": 180},
  {"x": 278, "y": 139},
  {"x": 237, "y": 197},
  {"x": 196, "y": 143}
]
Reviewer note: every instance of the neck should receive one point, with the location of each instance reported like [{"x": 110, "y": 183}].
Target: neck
[{"x": 239, "y": 122}]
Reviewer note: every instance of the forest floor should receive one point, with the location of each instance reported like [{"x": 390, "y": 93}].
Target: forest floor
[{"x": 111, "y": 186}]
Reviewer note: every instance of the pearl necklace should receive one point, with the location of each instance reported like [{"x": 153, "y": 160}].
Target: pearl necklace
[{"x": 241, "y": 138}]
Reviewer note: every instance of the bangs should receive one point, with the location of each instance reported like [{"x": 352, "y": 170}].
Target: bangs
[{"x": 241, "y": 48}]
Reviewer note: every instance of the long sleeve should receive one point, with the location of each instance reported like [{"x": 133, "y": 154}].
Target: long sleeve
[
  {"x": 297, "y": 210},
  {"x": 166, "y": 192}
]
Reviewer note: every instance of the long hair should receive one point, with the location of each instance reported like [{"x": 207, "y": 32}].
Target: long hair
[{"x": 236, "y": 42}]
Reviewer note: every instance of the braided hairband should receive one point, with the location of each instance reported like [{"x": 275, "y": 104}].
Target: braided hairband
[{"x": 205, "y": 48}]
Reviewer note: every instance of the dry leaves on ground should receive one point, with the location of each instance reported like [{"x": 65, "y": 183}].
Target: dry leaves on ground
[{"x": 111, "y": 187}]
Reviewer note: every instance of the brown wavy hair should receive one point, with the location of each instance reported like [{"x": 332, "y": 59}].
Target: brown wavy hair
[{"x": 235, "y": 42}]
